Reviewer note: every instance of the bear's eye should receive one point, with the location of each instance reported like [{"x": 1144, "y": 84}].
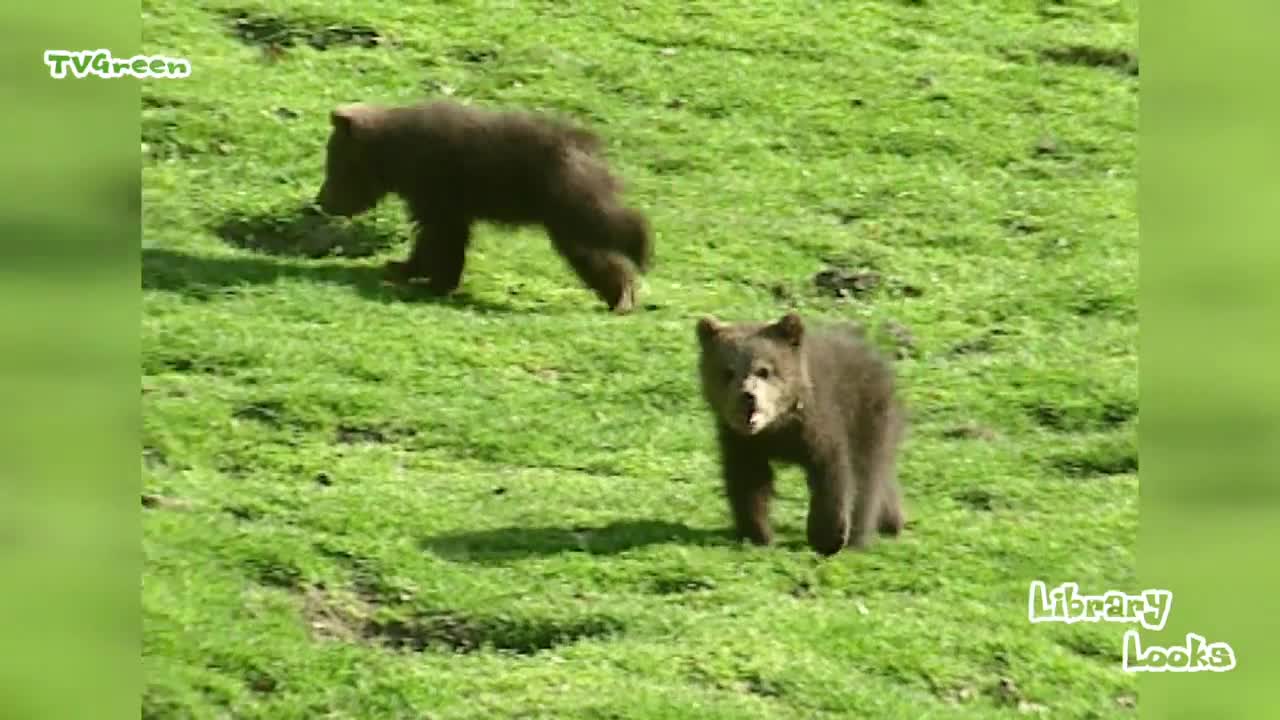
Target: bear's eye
[{"x": 762, "y": 373}]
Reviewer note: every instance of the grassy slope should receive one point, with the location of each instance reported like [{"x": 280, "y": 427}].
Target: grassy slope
[{"x": 521, "y": 491}]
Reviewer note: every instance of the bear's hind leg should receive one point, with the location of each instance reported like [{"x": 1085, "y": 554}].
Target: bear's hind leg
[
  {"x": 892, "y": 517},
  {"x": 878, "y": 505},
  {"x": 609, "y": 274},
  {"x": 830, "y": 485}
]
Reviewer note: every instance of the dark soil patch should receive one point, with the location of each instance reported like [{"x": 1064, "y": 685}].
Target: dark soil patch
[
  {"x": 969, "y": 431},
  {"x": 1093, "y": 56},
  {"x": 1096, "y": 463},
  {"x": 844, "y": 283},
  {"x": 977, "y": 499},
  {"x": 356, "y": 434},
  {"x": 305, "y": 232},
  {"x": 461, "y": 633},
  {"x": 282, "y": 31},
  {"x": 680, "y": 585}
]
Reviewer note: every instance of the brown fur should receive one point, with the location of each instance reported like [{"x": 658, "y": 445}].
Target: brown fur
[
  {"x": 455, "y": 165},
  {"x": 824, "y": 400}
]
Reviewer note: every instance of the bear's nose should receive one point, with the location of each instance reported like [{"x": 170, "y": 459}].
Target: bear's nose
[{"x": 748, "y": 400}]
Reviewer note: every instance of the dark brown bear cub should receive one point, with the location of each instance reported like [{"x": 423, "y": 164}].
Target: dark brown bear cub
[
  {"x": 455, "y": 165},
  {"x": 824, "y": 400}
]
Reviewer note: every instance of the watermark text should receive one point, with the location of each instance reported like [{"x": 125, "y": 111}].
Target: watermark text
[
  {"x": 100, "y": 63},
  {"x": 1150, "y": 608},
  {"x": 1066, "y": 604}
]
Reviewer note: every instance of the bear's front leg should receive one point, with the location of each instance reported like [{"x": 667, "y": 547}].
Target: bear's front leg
[
  {"x": 748, "y": 481},
  {"x": 398, "y": 272},
  {"x": 438, "y": 255}
]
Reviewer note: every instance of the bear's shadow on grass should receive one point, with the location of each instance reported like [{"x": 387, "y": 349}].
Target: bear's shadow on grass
[
  {"x": 513, "y": 543},
  {"x": 203, "y": 277},
  {"x": 275, "y": 240}
]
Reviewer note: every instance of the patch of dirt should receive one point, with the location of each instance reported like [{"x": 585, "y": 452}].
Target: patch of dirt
[
  {"x": 1099, "y": 303},
  {"x": 276, "y": 573},
  {"x": 204, "y": 362},
  {"x": 672, "y": 165},
  {"x": 305, "y": 232},
  {"x": 844, "y": 283},
  {"x": 1046, "y": 145},
  {"x": 180, "y": 364},
  {"x": 755, "y": 684},
  {"x": 274, "y": 414},
  {"x": 268, "y": 412},
  {"x": 243, "y": 513},
  {"x": 154, "y": 458},
  {"x": 1093, "y": 56},
  {"x": 355, "y": 434},
  {"x": 1117, "y": 412},
  {"x": 159, "y": 102},
  {"x": 376, "y": 588},
  {"x": 969, "y": 431},
  {"x": 1005, "y": 692},
  {"x": 231, "y": 466},
  {"x": 973, "y": 346},
  {"x": 905, "y": 289},
  {"x": 460, "y": 633},
  {"x": 901, "y": 338},
  {"x": 679, "y": 585},
  {"x": 476, "y": 55},
  {"x": 1096, "y": 463},
  {"x": 261, "y": 682},
  {"x": 710, "y": 111},
  {"x": 1067, "y": 417},
  {"x": 332, "y": 619},
  {"x": 165, "y": 139},
  {"x": 670, "y": 47},
  {"x": 958, "y": 695},
  {"x": 741, "y": 680},
  {"x": 280, "y": 31},
  {"x": 1089, "y": 645},
  {"x": 1053, "y": 417},
  {"x": 984, "y": 343},
  {"x": 160, "y": 502},
  {"x": 1024, "y": 224},
  {"x": 847, "y": 216},
  {"x": 371, "y": 585},
  {"x": 976, "y": 498}
]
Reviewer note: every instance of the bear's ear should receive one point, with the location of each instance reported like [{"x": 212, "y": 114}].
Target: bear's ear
[
  {"x": 790, "y": 329},
  {"x": 709, "y": 328},
  {"x": 347, "y": 118}
]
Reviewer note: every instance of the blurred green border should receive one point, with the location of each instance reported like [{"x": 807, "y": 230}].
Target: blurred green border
[
  {"x": 69, "y": 289},
  {"x": 69, "y": 223},
  {"x": 1210, "y": 277}
]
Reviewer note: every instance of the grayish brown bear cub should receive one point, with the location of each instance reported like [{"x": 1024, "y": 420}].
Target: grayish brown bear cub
[
  {"x": 454, "y": 165},
  {"x": 824, "y": 400}
]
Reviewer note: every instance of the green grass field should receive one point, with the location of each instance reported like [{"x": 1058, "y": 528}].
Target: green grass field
[{"x": 363, "y": 503}]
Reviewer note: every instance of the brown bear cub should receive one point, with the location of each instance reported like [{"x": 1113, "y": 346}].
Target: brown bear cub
[
  {"x": 454, "y": 165},
  {"x": 820, "y": 399}
]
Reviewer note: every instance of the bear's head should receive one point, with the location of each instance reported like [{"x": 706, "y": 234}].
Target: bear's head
[
  {"x": 352, "y": 181},
  {"x": 754, "y": 376}
]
